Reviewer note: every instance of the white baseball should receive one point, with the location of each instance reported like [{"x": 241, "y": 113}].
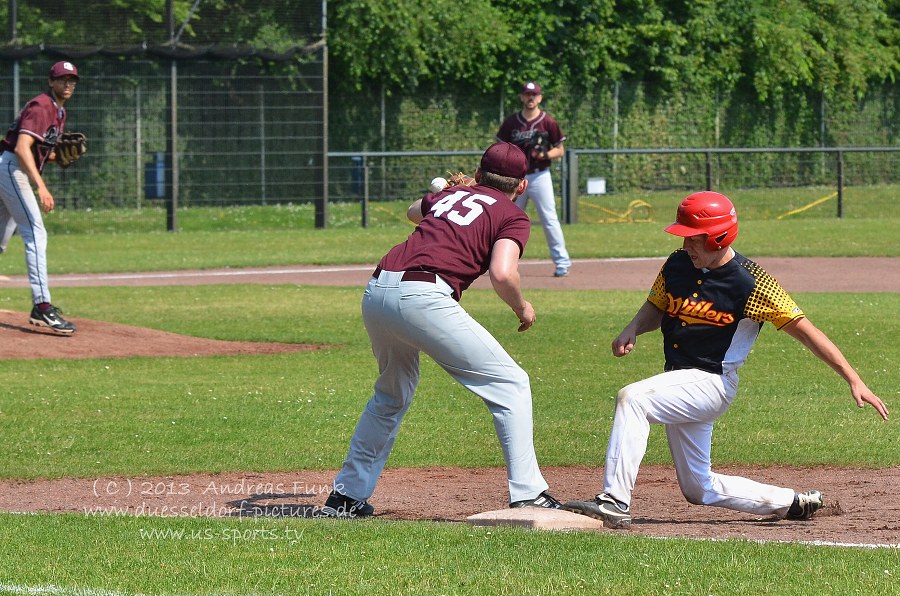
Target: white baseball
[{"x": 438, "y": 184}]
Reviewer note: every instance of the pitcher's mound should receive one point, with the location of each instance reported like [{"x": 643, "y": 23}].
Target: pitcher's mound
[
  {"x": 98, "y": 339},
  {"x": 536, "y": 518}
]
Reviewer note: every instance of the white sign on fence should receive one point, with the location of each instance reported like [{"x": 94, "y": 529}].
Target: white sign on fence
[{"x": 596, "y": 186}]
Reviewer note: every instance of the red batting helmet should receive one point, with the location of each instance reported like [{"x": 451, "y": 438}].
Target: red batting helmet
[{"x": 707, "y": 213}]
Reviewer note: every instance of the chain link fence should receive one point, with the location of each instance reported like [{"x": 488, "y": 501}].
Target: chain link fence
[
  {"x": 626, "y": 185},
  {"x": 250, "y": 138},
  {"x": 613, "y": 186},
  {"x": 259, "y": 141},
  {"x": 630, "y": 140},
  {"x": 245, "y": 135},
  {"x": 188, "y": 107}
]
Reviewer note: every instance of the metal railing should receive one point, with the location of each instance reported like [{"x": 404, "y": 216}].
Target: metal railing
[
  {"x": 570, "y": 192},
  {"x": 371, "y": 176},
  {"x": 393, "y": 181}
]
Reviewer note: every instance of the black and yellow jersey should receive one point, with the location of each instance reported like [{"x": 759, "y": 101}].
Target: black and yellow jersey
[{"x": 713, "y": 317}]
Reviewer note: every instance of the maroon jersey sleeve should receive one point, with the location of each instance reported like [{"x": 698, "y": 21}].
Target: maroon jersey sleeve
[
  {"x": 456, "y": 237},
  {"x": 42, "y": 119}
]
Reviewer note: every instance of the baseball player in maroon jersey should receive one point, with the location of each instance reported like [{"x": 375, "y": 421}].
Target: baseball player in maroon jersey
[
  {"x": 710, "y": 303},
  {"x": 411, "y": 305},
  {"x": 537, "y": 133},
  {"x": 24, "y": 152}
]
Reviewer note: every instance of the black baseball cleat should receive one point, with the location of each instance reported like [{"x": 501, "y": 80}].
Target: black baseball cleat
[
  {"x": 542, "y": 501},
  {"x": 613, "y": 513},
  {"x": 49, "y": 316},
  {"x": 338, "y": 505},
  {"x": 805, "y": 505}
]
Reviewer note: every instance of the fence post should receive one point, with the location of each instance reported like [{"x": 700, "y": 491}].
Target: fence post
[
  {"x": 709, "y": 177},
  {"x": 365, "y": 197},
  {"x": 570, "y": 199},
  {"x": 563, "y": 190},
  {"x": 321, "y": 205},
  {"x": 840, "y": 184},
  {"x": 172, "y": 149},
  {"x": 262, "y": 142},
  {"x": 138, "y": 144}
]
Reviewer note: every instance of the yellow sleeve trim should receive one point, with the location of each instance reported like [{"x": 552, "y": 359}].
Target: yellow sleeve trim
[{"x": 769, "y": 302}]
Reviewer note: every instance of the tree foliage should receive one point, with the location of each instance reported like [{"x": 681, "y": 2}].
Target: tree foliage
[
  {"x": 406, "y": 43},
  {"x": 835, "y": 48},
  {"x": 98, "y": 23},
  {"x": 271, "y": 24},
  {"x": 832, "y": 47}
]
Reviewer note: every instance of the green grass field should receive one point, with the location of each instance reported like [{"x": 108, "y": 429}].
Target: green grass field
[
  {"x": 168, "y": 416},
  {"x": 160, "y": 251},
  {"x": 758, "y": 204}
]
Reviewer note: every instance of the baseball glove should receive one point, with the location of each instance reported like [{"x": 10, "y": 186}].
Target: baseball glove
[
  {"x": 460, "y": 179},
  {"x": 540, "y": 144},
  {"x": 69, "y": 148}
]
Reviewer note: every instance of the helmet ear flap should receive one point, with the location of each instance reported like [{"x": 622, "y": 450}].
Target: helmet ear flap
[
  {"x": 722, "y": 240},
  {"x": 715, "y": 242}
]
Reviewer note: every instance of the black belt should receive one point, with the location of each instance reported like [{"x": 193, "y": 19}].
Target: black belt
[
  {"x": 535, "y": 170},
  {"x": 671, "y": 367},
  {"x": 412, "y": 275}
]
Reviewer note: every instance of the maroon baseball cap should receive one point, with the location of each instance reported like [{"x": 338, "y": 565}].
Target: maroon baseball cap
[
  {"x": 504, "y": 159},
  {"x": 531, "y": 87},
  {"x": 63, "y": 68}
]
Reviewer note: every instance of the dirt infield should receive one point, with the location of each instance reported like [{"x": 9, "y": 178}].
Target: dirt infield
[
  {"x": 861, "y": 507},
  {"x": 841, "y": 274},
  {"x": 98, "y": 339}
]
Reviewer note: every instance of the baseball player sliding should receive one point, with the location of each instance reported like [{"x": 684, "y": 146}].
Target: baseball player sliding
[
  {"x": 710, "y": 303},
  {"x": 411, "y": 305}
]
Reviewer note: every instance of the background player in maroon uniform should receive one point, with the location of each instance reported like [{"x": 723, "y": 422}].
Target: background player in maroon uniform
[
  {"x": 24, "y": 152},
  {"x": 411, "y": 305},
  {"x": 538, "y": 134},
  {"x": 710, "y": 303}
]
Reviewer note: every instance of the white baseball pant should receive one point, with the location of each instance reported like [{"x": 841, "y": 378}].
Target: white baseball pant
[
  {"x": 404, "y": 318},
  {"x": 19, "y": 204},
  {"x": 540, "y": 189},
  {"x": 687, "y": 402},
  {"x": 7, "y": 231}
]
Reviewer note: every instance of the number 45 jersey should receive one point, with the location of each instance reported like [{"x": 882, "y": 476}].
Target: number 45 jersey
[{"x": 457, "y": 234}]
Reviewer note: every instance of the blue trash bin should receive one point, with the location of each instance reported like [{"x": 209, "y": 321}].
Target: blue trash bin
[
  {"x": 155, "y": 177},
  {"x": 357, "y": 176}
]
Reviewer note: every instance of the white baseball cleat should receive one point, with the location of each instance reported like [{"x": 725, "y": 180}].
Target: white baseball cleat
[{"x": 805, "y": 505}]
